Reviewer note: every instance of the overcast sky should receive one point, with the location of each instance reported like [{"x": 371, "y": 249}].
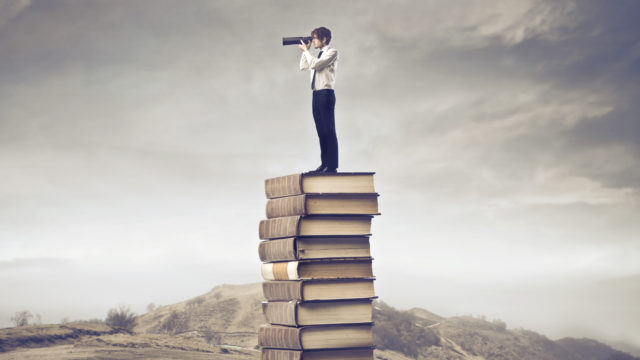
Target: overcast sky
[{"x": 135, "y": 137}]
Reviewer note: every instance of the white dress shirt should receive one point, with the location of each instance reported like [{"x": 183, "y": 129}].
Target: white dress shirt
[{"x": 324, "y": 67}]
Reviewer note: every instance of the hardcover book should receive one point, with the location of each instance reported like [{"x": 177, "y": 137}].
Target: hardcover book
[
  {"x": 318, "y": 269},
  {"x": 315, "y": 337},
  {"x": 340, "y": 354},
  {"x": 294, "y": 313},
  {"x": 313, "y": 290},
  {"x": 315, "y": 182},
  {"x": 289, "y": 249},
  {"x": 323, "y": 204},
  {"x": 291, "y": 226}
]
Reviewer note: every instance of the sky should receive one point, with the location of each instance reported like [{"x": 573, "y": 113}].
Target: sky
[{"x": 135, "y": 137}]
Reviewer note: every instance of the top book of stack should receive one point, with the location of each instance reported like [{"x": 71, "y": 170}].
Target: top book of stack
[{"x": 320, "y": 183}]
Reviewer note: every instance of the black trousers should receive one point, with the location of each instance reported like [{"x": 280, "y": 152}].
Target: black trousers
[{"x": 323, "y": 105}]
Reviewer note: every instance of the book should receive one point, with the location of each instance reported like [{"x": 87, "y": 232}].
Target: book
[
  {"x": 318, "y": 269},
  {"x": 315, "y": 182},
  {"x": 312, "y": 290},
  {"x": 319, "y": 225},
  {"x": 339, "y": 354},
  {"x": 315, "y": 337},
  {"x": 289, "y": 249},
  {"x": 295, "y": 313},
  {"x": 323, "y": 204}
]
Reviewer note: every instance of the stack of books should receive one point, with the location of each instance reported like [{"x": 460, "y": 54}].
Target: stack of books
[{"x": 317, "y": 267}]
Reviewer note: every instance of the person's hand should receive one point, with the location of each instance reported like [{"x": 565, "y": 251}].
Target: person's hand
[{"x": 303, "y": 46}]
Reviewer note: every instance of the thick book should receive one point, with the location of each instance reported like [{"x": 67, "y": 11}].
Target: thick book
[
  {"x": 315, "y": 337},
  {"x": 318, "y": 290},
  {"x": 319, "y": 225},
  {"x": 289, "y": 249},
  {"x": 338, "y": 354},
  {"x": 295, "y": 313},
  {"x": 318, "y": 269},
  {"x": 315, "y": 182},
  {"x": 323, "y": 204}
]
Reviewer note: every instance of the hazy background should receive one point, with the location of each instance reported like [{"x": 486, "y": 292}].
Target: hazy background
[{"x": 135, "y": 137}]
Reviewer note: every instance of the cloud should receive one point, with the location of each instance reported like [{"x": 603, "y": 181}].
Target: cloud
[
  {"x": 532, "y": 106},
  {"x": 9, "y": 9},
  {"x": 504, "y": 137},
  {"x": 429, "y": 27},
  {"x": 21, "y": 264},
  {"x": 609, "y": 149}
]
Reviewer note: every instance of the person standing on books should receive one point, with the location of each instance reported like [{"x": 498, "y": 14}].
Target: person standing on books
[{"x": 323, "y": 78}]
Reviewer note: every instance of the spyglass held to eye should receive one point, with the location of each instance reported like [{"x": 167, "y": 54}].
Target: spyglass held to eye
[{"x": 295, "y": 40}]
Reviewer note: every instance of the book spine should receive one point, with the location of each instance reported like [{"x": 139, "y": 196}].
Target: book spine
[
  {"x": 278, "y": 250},
  {"x": 282, "y": 290},
  {"x": 281, "y": 312},
  {"x": 286, "y": 206},
  {"x": 283, "y": 186},
  {"x": 283, "y": 337},
  {"x": 287, "y": 270},
  {"x": 279, "y": 354},
  {"x": 279, "y": 227}
]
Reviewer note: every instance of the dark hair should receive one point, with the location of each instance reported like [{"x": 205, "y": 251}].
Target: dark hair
[{"x": 321, "y": 33}]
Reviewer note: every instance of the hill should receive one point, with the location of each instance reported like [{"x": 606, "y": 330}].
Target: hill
[
  {"x": 94, "y": 340},
  {"x": 228, "y": 314},
  {"x": 222, "y": 324}
]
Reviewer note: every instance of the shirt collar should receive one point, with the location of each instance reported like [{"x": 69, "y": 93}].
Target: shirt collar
[{"x": 325, "y": 48}]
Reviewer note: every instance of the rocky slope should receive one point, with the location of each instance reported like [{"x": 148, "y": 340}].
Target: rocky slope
[
  {"x": 230, "y": 314},
  {"x": 222, "y": 324}
]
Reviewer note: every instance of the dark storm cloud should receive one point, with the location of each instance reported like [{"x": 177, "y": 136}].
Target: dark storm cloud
[
  {"x": 580, "y": 77},
  {"x": 621, "y": 127},
  {"x": 602, "y": 54}
]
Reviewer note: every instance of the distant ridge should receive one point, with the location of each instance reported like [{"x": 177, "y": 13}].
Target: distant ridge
[
  {"x": 230, "y": 314},
  {"x": 222, "y": 324}
]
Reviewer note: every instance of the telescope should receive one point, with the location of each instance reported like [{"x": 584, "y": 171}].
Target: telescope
[{"x": 295, "y": 40}]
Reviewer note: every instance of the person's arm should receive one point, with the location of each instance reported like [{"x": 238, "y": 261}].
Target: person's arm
[
  {"x": 327, "y": 58},
  {"x": 304, "y": 65}
]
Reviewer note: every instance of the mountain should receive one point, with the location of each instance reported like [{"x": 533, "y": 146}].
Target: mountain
[
  {"x": 482, "y": 339},
  {"x": 230, "y": 314},
  {"x": 222, "y": 324}
]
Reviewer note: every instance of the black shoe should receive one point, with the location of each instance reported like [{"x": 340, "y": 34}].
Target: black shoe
[
  {"x": 321, "y": 168},
  {"x": 330, "y": 170}
]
